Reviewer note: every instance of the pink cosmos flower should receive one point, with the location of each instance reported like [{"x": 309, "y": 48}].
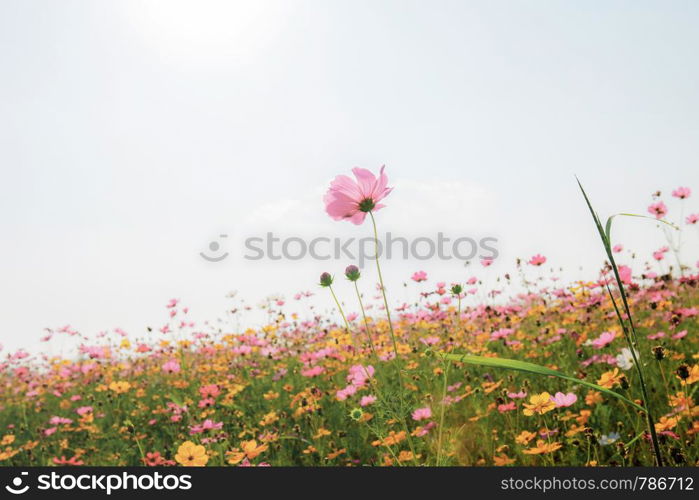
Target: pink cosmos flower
[
  {"x": 680, "y": 335},
  {"x": 84, "y": 410},
  {"x": 350, "y": 200},
  {"x": 487, "y": 262},
  {"x": 617, "y": 248},
  {"x": 659, "y": 209},
  {"x": 60, "y": 421},
  {"x": 206, "y": 403},
  {"x": 505, "y": 407},
  {"x": 367, "y": 400},
  {"x": 517, "y": 395},
  {"x": 211, "y": 390},
  {"x": 343, "y": 394},
  {"x": 171, "y": 366},
  {"x": 682, "y": 193},
  {"x": 603, "y": 340},
  {"x": 313, "y": 371},
  {"x": 537, "y": 260},
  {"x": 207, "y": 425},
  {"x": 692, "y": 218},
  {"x": 472, "y": 280},
  {"x": 563, "y": 400},
  {"x": 658, "y": 255},
  {"x": 625, "y": 274},
  {"x": 419, "y": 276},
  {"x": 422, "y": 413},
  {"x": 431, "y": 340},
  {"x": 359, "y": 374}
]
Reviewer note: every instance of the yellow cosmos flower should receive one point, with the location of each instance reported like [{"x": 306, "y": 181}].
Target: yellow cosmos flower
[
  {"x": 539, "y": 404},
  {"x": 120, "y": 387},
  {"x": 191, "y": 455}
]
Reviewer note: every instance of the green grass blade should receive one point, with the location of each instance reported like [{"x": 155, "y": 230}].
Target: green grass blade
[
  {"x": 524, "y": 366},
  {"x": 608, "y": 227}
]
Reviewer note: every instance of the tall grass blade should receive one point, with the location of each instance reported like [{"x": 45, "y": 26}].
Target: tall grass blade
[
  {"x": 524, "y": 366},
  {"x": 633, "y": 339}
]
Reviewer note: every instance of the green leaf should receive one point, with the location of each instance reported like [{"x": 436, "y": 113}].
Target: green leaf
[
  {"x": 608, "y": 229},
  {"x": 523, "y": 366},
  {"x": 176, "y": 399}
]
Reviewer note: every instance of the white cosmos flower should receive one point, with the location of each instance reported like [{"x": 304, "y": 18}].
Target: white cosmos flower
[{"x": 625, "y": 359}]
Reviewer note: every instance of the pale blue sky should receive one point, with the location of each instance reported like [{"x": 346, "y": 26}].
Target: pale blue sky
[{"x": 132, "y": 133}]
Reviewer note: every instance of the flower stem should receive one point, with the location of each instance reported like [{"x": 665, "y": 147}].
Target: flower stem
[
  {"x": 383, "y": 293},
  {"x": 400, "y": 415},
  {"x": 366, "y": 323},
  {"x": 441, "y": 414},
  {"x": 339, "y": 307}
]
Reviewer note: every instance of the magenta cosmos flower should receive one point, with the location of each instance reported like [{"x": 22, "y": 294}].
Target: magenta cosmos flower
[{"x": 347, "y": 199}]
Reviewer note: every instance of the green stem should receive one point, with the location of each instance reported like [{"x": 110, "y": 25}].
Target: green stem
[
  {"x": 366, "y": 323},
  {"x": 441, "y": 414},
  {"x": 637, "y": 364},
  {"x": 339, "y": 307},
  {"x": 393, "y": 338},
  {"x": 383, "y": 293}
]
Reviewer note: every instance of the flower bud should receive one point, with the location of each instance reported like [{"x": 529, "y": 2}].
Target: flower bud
[
  {"x": 683, "y": 372},
  {"x": 659, "y": 352},
  {"x": 352, "y": 272},
  {"x": 457, "y": 289},
  {"x": 326, "y": 279}
]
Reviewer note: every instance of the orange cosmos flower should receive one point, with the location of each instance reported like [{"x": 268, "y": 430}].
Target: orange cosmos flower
[
  {"x": 502, "y": 460},
  {"x": 542, "y": 447},
  {"x": 524, "y": 437},
  {"x": 665, "y": 424},
  {"x": 610, "y": 379},
  {"x": 248, "y": 449}
]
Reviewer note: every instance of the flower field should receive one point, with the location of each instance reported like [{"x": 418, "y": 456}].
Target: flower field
[{"x": 597, "y": 373}]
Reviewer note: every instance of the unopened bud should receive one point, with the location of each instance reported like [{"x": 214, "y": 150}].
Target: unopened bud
[
  {"x": 326, "y": 279},
  {"x": 352, "y": 272}
]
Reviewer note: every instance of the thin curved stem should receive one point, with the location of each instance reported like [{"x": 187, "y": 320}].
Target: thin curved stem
[
  {"x": 383, "y": 291},
  {"x": 366, "y": 323}
]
